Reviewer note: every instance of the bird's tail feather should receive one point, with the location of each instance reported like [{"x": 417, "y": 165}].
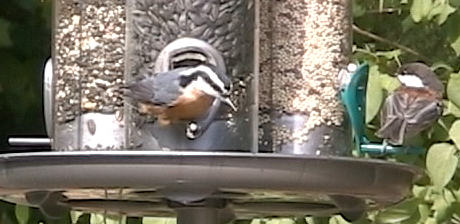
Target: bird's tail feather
[{"x": 393, "y": 131}]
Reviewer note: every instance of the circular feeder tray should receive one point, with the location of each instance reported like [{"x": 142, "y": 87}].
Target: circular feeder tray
[{"x": 228, "y": 185}]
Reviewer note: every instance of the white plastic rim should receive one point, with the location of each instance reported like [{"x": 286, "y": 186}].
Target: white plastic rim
[{"x": 48, "y": 96}]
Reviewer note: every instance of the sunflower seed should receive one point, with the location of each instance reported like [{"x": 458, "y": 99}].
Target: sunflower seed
[
  {"x": 230, "y": 36},
  {"x": 181, "y": 4},
  {"x": 207, "y": 33},
  {"x": 173, "y": 27},
  {"x": 206, "y": 8},
  {"x": 197, "y": 19},
  {"x": 182, "y": 20},
  {"x": 91, "y": 126},
  {"x": 214, "y": 13},
  {"x": 165, "y": 13},
  {"x": 198, "y": 31},
  {"x": 225, "y": 45},
  {"x": 221, "y": 30},
  {"x": 198, "y": 4},
  {"x": 119, "y": 115}
]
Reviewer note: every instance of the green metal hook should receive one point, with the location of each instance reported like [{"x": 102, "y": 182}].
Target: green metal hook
[{"x": 353, "y": 94}]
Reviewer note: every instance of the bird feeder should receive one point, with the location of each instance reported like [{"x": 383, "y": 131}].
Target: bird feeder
[
  {"x": 101, "y": 45},
  {"x": 303, "y": 47},
  {"x": 109, "y": 157}
]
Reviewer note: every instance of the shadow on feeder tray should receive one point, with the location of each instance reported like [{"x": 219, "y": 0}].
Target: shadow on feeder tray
[{"x": 353, "y": 94}]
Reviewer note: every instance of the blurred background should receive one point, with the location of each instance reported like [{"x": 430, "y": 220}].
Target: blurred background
[{"x": 25, "y": 38}]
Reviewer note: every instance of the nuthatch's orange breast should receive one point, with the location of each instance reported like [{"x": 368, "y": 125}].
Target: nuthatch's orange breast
[{"x": 190, "y": 105}]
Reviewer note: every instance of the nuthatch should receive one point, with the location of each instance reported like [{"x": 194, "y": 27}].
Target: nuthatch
[
  {"x": 184, "y": 93},
  {"x": 413, "y": 107}
]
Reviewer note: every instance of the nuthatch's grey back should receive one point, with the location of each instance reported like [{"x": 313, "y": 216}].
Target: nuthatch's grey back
[
  {"x": 158, "y": 89},
  {"x": 164, "y": 88},
  {"x": 184, "y": 93}
]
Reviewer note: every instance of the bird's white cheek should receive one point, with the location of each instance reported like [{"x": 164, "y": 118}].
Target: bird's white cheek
[{"x": 411, "y": 81}]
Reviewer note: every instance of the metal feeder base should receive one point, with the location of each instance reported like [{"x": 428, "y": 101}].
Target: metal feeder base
[{"x": 199, "y": 186}]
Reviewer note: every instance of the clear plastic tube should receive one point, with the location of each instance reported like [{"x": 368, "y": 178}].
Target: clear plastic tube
[{"x": 304, "y": 45}]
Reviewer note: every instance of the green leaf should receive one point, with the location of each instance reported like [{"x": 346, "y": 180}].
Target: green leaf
[
  {"x": 420, "y": 9},
  {"x": 453, "y": 89},
  {"x": 389, "y": 54},
  {"x": 374, "y": 96},
  {"x": 431, "y": 220},
  {"x": 337, "y": 219},
  {"x": 74, "y": 215},
  {"x": 22, "y": 214},
  {"x": 440, "y": 130},
  {"x": 446, "y": 121},
  {"x": 442, "y": 206},
  {"x": 435, "y": 10},
  {"x": 441, "y": 164},
  {"x": 451, "y": 26},
  {"x": 446, "y": 197},
  {"x": 407, "y": 24},
  {"x": 152, "y": 220},
  {"x": 456, "y": 46},
  {"x": 84, "y": 218},
  {"x": 415, "y": 218},
  {"x": 107, "y": 219},
  {"x": 389, "y": 83},
  {"x": 419, "y": 191},
  {"x": 398, "y": 213},
  {"x": 440, "y": 10},
  {"x": 97, "y": 218},
  {"x": 358, "y": 10},
  {"x": 5, "y": 40},
  {"x": 424, "y": 211},
  {"x": 442, "y": 65},
  {"x": 456, "y": 207},
  {"x": 438, "y": 133},
  {"x": 454, "y": 133},
  {"x": 452, "y": 109},
  {"x": 445, "y": 12}
]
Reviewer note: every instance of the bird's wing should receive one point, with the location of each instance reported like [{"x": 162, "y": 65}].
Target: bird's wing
[
  {"x": 392, "y": 125},
  {"x": 408, "y": 112},
  {"x": 166, "y": 88},
  {"x": 421, "y": 114},
  {"x": 160, "y": 89}
]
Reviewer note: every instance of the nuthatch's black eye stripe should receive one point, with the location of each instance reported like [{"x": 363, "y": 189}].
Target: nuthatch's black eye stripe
[
  {"x": 187, "y": 79},
  {"x": 208, "y": 80}
]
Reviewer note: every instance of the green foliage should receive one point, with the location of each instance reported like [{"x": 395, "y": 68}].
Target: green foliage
[
  {"x": 441, "y": 164},
  {"x": 422, "y": 30},
  {"x": 453, "y": 89},
  {"x": 399, "y": 213}
]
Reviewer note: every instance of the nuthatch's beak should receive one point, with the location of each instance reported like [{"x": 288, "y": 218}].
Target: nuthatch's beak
[{"x": 228, "y": 102}]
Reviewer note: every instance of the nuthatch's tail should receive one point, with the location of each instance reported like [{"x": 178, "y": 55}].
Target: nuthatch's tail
[{"x": 139, "y": 91}]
